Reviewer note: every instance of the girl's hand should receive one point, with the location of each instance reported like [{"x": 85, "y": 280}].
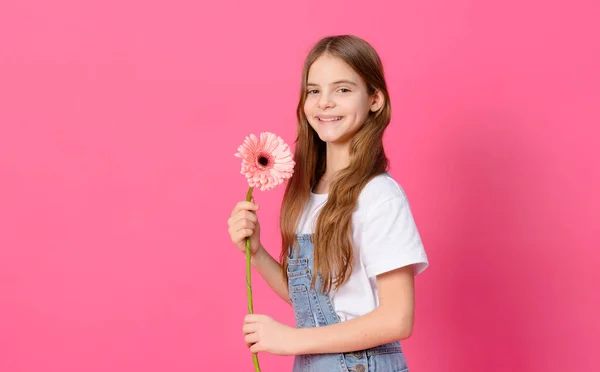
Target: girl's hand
[
  {"x": 243, "y": 222},
  {"x": 264, "y": 334}
]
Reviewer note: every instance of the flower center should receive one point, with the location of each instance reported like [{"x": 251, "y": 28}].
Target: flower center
[{"x": 263, "y": 160}]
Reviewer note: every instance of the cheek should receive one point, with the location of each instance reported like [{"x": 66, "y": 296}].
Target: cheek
[
  {"x": 358, "y": 109},
  {"x": 308, "y": 112},
  {"x": 354, "y": 104},
  {"x": 308, "y": 106},
  {"x": 310, "y": 99},
  {"x": 362, "y": 107}
]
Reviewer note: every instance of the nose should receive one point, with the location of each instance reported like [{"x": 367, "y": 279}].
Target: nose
[{"x": 325, "y": 102}]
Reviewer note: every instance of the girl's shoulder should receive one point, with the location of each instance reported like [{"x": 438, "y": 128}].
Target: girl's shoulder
[{"x": 380, "y": 189}]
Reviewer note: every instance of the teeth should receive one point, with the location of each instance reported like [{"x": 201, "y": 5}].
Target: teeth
[{"x": 331, "y": 119}]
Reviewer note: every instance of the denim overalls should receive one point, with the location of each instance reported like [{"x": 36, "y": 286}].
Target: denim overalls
[{"x": 311, "y": 308}]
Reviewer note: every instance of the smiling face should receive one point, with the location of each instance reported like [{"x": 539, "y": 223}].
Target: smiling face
[{"x": 337, "y": 100}]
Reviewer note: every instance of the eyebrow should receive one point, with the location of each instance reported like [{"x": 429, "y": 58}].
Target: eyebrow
[{"x": 334, "y": 83}]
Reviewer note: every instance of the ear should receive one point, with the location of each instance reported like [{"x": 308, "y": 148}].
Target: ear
[{"x": 377, "y": 101}]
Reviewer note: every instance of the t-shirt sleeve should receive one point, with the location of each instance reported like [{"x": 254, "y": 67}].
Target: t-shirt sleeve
[{"x": 391, "y": 240}]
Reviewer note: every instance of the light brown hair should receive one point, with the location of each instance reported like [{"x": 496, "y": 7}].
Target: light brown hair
[{"x": 332, "y": 239}]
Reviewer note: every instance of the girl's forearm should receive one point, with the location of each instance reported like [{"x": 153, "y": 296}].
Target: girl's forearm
[
  {"x": 270, "y": 270},
  {"x": 375, "y": 328}
]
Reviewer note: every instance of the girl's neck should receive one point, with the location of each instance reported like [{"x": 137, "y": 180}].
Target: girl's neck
[{"x": 338, "y": 158}]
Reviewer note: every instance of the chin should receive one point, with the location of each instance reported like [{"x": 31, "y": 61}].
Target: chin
[{"x": 329, "y": 138}]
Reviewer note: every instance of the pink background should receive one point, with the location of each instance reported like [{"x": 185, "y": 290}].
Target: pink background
[{"x": 119, "y": 121}]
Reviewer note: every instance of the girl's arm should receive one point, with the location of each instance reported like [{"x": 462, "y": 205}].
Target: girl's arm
[
  {"x": 270, "y": 270},
  {"x": 391, "y": 321}
]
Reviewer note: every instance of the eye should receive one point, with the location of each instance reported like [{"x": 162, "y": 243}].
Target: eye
[
  {"x": 311, "y": 91},
  {"x": 344, "y": 90}
]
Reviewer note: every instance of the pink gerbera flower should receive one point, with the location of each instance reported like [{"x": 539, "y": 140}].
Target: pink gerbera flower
[{"x": 266, "y": 161}]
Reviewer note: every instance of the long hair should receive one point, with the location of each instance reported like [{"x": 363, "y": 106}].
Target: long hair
[{"x": 332, "y": 239}]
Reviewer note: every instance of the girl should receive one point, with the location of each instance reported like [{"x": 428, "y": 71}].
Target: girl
[{"x": 350, "y": 246}]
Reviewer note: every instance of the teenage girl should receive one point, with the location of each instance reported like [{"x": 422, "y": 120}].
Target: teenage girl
[{"x": 350, "y": 246}]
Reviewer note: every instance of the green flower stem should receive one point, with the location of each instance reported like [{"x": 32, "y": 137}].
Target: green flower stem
[{"x": 249, "y": 282}]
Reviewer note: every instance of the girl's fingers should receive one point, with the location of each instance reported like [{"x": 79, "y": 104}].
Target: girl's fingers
[
  {"x": 242, "y": 221},
  {"x": 246, "y": 224},
  {"x": 244, "y": 227},
  {"x": 242, "y": 234},
  {"x": 243, "y": 215},
  {"x": 244, "y": 205},
  {"x": 250, "y": 328},
  {"x": 251, "y": 338}
]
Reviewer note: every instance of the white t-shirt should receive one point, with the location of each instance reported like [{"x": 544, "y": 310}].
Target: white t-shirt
[{"x": 385, "y": 237}]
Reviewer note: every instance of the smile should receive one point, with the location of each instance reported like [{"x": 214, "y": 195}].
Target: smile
[{"x": 331, "y": 119}]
